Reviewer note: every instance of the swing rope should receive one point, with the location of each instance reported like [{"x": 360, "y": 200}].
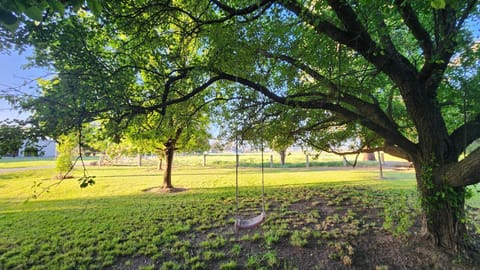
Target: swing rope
[
  {"x": 242, "y": 224},
  {"x": 263, "y": 180},
  {"x": 465, "y": 122},
  {"x": 237, "y": 161}
]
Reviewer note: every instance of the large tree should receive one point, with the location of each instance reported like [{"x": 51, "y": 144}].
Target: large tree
[
  {"x": 394, "y": 68},
  {"x": 382, "y": 65}
]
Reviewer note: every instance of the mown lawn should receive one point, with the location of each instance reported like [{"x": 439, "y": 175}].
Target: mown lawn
[
  {"x": 7, "y": 162},
  {"x": 116, "y": 224}
]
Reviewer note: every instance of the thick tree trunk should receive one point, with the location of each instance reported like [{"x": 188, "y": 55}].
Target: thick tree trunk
[
  {"x": 167, "y": 175},
  {"x": 443, "y": 213},
  {"x": 283, "y": 154}
]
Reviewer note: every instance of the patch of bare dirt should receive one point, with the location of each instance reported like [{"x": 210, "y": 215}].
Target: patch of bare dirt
[
  {"x": 357, "y": 241},
  {"x": 161, "y": 190}
]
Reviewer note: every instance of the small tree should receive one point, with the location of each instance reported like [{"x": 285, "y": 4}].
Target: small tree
[
  {"x": 64, "y": 163},
  {"x": 176, "y": 130}
]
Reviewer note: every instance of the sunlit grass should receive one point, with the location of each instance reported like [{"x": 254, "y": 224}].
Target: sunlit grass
[{"x": 7, "y": 162}]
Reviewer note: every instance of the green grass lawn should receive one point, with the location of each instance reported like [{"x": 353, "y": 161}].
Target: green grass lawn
[
  {"x": 116, "y": 223},
  {"x": 8, "y": 163}
]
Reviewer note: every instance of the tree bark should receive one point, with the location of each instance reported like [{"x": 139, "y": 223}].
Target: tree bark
[
  {"x": 443, "y": 208},
  {"x": 167, "y": 174},
  {"x": 283, "y": 154}
]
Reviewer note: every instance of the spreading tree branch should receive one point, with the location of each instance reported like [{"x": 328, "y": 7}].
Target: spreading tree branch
[
  {"x": 463, "y": 173},
  {"x": 413, "y": 23},
  {"x": 321, "y": 103},
  {"x": 369, "y": 111},
  {"x": 464, "y": 135}
]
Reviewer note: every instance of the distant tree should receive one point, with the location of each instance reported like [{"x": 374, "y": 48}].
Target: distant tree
[
  {"x": 164, "y": 135},
  {"x": 12, "y": 137},
  {"x": 280, "y": 145}
]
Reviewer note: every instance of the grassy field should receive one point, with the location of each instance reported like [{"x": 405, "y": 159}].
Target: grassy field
[
  {"x": 8, "y": 163},
  {"x": 115, "y": 224}
]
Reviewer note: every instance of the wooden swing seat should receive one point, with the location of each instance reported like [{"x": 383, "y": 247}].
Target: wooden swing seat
[{"x": 243, "y": 224}]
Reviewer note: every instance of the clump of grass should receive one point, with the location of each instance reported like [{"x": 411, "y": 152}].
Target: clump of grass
[
  {"x": 342, "y": 251},
  {"x": 214, "y": 243},
  {"x": 210, "y": 255},
  {"x": 169, "y": 265},
  {"x": 253, "y": 262},
  {"x": 299, "y": 238},
  {"x": 230, "y": 265},
  {"x": 272, "y": 237},
  {"x": 400, "y": 214},
  {"x": 271, "y": 259},
  {"x": 259, "y": 261},
  {"x": 236, "y": 250}
]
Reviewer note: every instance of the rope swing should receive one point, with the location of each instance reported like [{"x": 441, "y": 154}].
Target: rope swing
[{"x": 243, "y": 224}]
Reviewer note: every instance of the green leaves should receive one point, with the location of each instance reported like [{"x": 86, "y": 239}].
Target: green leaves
[
  {"x": 438, "y": 4},
  {"x": 34, "y": 13},
  {"x": 57, "y": 6},
  {"x": 86, "y": 181},
  {"x": 95, "y": 6},
  {"x": 7, "y": 17},
  {"x": 12, "y": 10}
]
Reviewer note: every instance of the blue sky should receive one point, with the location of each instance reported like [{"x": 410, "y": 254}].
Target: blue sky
[{"x": 13, "y": 75}]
